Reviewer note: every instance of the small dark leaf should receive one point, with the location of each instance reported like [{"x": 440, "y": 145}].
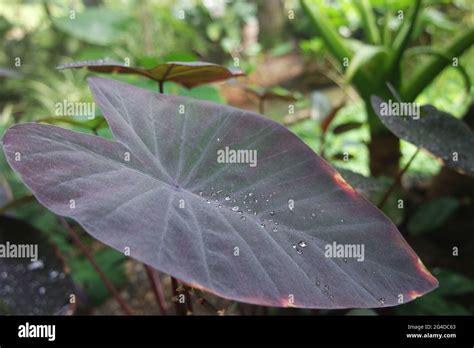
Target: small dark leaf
[
  {"x": 446, "y": 137},
  {"x": 187, "y": 74},
  {"x": 346, "y": 127},
  {"x": 271, "y": 93},
  {"x": 38, "y": 287},
  {"x": 160, "y": 191}
]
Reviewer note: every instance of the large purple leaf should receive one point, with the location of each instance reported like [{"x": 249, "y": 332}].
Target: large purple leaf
[
  {"x": 188, "y": 74},
  {"x": 224, "y": 227}
]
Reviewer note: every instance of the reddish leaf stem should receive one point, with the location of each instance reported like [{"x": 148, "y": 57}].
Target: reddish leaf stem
[
  {"x": 397, "y": 180},
  {"x": 157, "y": 287},
  {"x": 180, "y": 310},
  {"x": 75, "y": 237}
]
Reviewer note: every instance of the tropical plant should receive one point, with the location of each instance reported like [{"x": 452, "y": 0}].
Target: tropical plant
[
  {"x": 375, "y": 64},
  {"x": 272, "y": 231}
]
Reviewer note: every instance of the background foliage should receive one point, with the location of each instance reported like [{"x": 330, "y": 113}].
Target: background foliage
[{"x": 275, "y": 51}]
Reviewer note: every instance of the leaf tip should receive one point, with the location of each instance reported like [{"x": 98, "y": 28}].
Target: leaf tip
[{"x": 426, "y": 274}]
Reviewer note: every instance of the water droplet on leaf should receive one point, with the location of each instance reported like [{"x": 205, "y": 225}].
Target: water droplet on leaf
[{"x": 35, "y": 265}]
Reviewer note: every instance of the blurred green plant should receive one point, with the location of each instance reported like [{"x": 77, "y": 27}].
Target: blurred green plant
[{"x": 374, "y": 63}]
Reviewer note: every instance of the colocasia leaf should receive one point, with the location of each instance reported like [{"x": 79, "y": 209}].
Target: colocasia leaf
[
  {"x": 221, "y": 198},
  {"x": 443, "y": 135},
  {"x": 187, "y": 74}
]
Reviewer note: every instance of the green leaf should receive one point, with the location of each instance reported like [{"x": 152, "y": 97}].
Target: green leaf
[
  {"x": 204, "y": 92},
  {"x": 335, "y": 43},
  {"x": 110, "y": 261},
  {"x": 368, "y": 21},
  {"x": 432, "y": 304},
  {"x": 367, "y": 56},
  {"x": 432, "y": 215},
  {"x": 440, "y": 54},
  {"x": 361, "y": 312},
  {"x": 404, "y": 36},
  {"x": 438, "y": 19},
  {"x": 99, "y": 26},
  {"x": 452, "y": 283},
  {"x": 427, "y": 72},
  {"x": 95, "y": 123}
]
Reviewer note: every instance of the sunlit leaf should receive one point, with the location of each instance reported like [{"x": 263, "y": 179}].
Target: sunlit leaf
[
  {"x": 95, "y": 123},
  {"x": 256, "y": 234},
  {"x": 366, "y": 55},
  {"x": 100, "y": 26}
]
